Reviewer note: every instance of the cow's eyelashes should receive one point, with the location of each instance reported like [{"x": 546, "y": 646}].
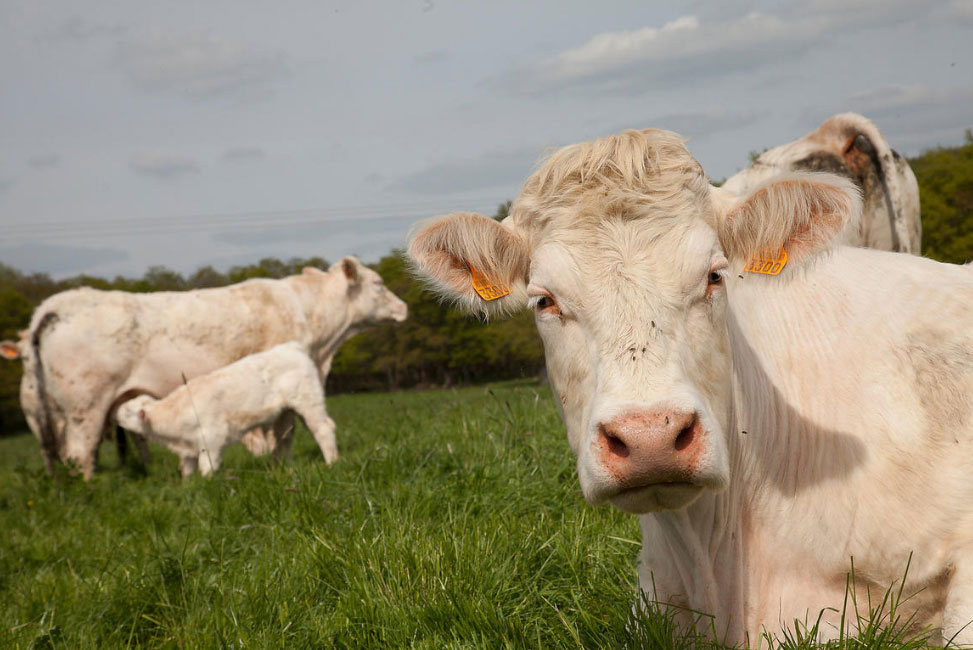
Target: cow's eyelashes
[
  {"x": 544, "y": 304},
  {"x": 714, "y": 280}
]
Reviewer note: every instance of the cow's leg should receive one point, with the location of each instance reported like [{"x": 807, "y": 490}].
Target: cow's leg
[
  {"x": 958, "y": 614},
  {"x": 188, "y": 465},
  {"x": 210, "y": 459},
  {"x": 82, "y": 437},
  {"x": 322, "y": 428},
  {"x": 281, "y": 435},
  {"x": 121, "y": 444},
  {"x": 142, "y": 446}
]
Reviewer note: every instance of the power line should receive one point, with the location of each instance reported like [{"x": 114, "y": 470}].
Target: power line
[{"x": 126, "y": 226}]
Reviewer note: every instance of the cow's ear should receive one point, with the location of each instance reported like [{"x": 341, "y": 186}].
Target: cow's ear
[
  {"x": 801, "y": 213},
  {"x": 9, "y": 350},
  {"x": 472, "y": 261},
  {"x": 349, "y": 266},
  {"x": 142, "y": 415}
]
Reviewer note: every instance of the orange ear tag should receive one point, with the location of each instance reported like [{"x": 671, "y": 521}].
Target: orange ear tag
[
  {"x": 767, "y": 262},
  {"x": 485, "y": 288}
]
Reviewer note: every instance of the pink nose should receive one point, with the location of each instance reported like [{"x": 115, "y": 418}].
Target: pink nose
[{"x": 649, "y": 447}]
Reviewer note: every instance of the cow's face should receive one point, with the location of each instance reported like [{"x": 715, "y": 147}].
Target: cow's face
[
  {"x": 621, "y": 248},
  {"x": 370, "y": 301},
  {"x": 634, "y": 328}
]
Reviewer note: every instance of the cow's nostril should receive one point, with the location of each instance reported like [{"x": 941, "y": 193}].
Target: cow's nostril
[
  {"x": 613, "y": 443},
  {"x": 686, "y": 436},
  {"x": 617, "y": 447}
]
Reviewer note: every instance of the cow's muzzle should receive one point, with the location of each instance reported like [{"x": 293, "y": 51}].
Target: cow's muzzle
[{"x": 652, "y": 458}]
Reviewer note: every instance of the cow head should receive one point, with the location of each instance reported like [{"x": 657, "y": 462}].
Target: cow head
[
  {"x": 622, "y": 249},
  {"x": 132, "y": 415},
  {"x": 370, "y": 300}
]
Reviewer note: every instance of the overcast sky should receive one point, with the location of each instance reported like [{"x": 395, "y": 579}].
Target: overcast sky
[{"x": 219, "y": 132}]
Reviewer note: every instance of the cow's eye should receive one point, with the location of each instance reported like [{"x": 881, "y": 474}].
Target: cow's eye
[
  {"x": 545, "y": 304},
  {"x": 715, "y": 277}
]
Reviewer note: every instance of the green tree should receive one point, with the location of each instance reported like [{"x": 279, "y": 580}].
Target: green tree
[{"x": 946, "y": 195}]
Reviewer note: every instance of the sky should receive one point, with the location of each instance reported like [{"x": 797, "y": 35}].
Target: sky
[{"x": 212, "y": 132}]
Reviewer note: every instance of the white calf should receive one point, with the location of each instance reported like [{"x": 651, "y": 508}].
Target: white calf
[{"x": 198, "y": 420}]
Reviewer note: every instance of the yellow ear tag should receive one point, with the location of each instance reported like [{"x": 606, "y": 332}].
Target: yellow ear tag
[
  {"x": 767, "y": 262},
  {"x": 485, "y": 288}
]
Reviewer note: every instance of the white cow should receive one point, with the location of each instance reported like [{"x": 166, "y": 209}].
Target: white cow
[
  {"x": 766, "y": 428},
  {"x": 96, "y": 349},
  {"x": 850, "y": 145},
  {"x": 199, "y": 419}
]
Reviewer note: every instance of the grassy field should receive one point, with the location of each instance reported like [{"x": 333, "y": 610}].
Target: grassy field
[{"x": 453, "y": 520}]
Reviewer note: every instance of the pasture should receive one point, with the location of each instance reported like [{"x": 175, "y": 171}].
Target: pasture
[{"x": 453, "y": 520}]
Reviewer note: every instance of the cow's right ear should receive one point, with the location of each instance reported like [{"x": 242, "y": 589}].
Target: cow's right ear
[
  {"x": 9, "y": 350},
  {"x": 472, "y": 261},
  {"x": 802, "y": 213}
]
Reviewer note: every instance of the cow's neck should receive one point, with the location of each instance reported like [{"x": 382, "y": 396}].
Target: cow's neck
[
  {"x": 328, "y": 312},
  {"x": 726, "y": 546}
]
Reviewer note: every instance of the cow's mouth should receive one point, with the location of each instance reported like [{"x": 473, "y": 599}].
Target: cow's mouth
[{"x": 641, "y": 499}]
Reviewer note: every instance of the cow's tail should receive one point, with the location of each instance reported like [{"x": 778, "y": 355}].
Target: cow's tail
[
  {"x": 881, "y": 156},
  {"x": 45, "y": 422}
]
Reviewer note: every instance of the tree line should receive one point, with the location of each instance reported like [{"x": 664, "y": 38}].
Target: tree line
[{"x": 438, "y": 347}]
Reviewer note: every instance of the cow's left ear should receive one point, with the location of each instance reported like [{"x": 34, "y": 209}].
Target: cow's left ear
[
  {"x": 9, "y": 350},
  {"x": 802, "y": 213},
  {"x": 473, "y": 261}
]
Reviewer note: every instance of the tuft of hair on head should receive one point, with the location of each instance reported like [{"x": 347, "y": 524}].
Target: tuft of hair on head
[
  {"x": 446, "y": 250},
  {"x": 650, "y": 168},
  {"x": 803, "y": 213}
]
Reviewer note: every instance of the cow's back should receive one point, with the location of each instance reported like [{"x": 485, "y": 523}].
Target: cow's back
[{"x": 151, "y": 343}]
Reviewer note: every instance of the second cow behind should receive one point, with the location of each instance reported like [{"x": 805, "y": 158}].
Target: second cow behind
[
  {"x": 89, "y": 351},
  {"x": 199, "y": 419}
]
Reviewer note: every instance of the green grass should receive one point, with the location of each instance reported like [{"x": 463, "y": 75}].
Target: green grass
[{"x": 453, "y": 520}]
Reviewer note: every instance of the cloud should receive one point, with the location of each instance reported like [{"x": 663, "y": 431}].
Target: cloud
[
  {"x": 686, "y": 49},
  {"x": 961, "y": 10},
  {"x": 79, "y": 29},
  {"x": 700, "y": 124},
  {"x": 199, "y": 66},
  {"x": 162, "y": 163},
  {"x": 33, "y": 257},
  {"x": 239, "y": 154},
  {"x": 437, "y": 56},
  {"x": 44, "y": 160},
  {"x": 489, "y": 170}
]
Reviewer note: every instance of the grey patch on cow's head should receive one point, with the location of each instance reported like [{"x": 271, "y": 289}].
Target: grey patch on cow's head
[{"x": 826, "y": 162}]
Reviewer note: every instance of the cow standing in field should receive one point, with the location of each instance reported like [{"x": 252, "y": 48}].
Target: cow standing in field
[
  {"x": 199, "y": 419},
  {"x": 93, "y": 350},
  {"x": 765, "y": 428},
  {"x": 850, "y": 145}
]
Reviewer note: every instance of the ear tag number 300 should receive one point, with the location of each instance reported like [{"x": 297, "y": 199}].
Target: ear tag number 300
[
  {"x": 767, "y": 262},
  {"x": 485, "y": 288}
]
